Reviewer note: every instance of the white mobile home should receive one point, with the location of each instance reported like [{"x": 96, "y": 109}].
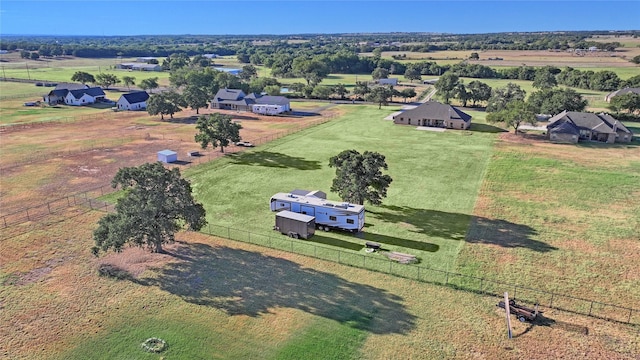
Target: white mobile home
[{"x": 328, "y": 214}]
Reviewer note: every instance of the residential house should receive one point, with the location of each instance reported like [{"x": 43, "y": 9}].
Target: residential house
[
  {"x": 621, "y": 92},
  {"x": 234, "y": 99},
  {"x": 84, "y": 96},
  {"x": 573, "y": 126},
  {"x": 57, "y": 95},
  {"x": 210, "y": 56},
  {"x": 133, "y": 101},
  {"x": 434, "y": 114},
  {"x": 139, "y": 67},
  {"x": 145, "y": 59}
]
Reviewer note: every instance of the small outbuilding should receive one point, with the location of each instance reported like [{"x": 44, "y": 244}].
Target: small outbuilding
[
  {"x": 295, "y": 225},
  {"x": 167, "y": 156}
]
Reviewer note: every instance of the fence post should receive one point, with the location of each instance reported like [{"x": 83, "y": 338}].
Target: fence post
[
  {"x": 590, "y": 308},
  {"x": 551, "y": 304},
  {"x": 48, "y": 208},
  {"x": 446, "y": 280},
  {"x": 481, "y": 283},
  {"x": 28, "y": 215},
  {"x": 629, "y": 319},
  {"x": 515, "y": 287},
  {"x": 364, "y": 261}
]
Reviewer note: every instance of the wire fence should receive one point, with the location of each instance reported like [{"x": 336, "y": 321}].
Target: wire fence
[
  {"x": 38, "y": 212},
  {"x": 105, "y": 144},
  {"x": 376, "y": 261}
]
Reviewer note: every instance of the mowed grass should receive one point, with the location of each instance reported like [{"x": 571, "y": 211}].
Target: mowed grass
[
  {"x": 570, "y": 217},
  {"x": 211, "y": 298},
  {"x": 427, "y": 210},
  {"x": 13, "y": 111}
]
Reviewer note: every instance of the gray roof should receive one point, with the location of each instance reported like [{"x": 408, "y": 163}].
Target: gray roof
[
  {"x": 136, "y": 97},
  {"x": 237, "y": 97},
  {"x": 565, "y": 127},
  {"x": 94, "y": 91},
  {"x": 623, "y": 91},
  {"x": 59, "y": 93},
  {"x": 436, "y": 111},
  {"x": 229, "y": 94},
  {"x": 70, "y": 86},
  {"x": 601, "y": 123},
  {"x": 272, "y": 100}
]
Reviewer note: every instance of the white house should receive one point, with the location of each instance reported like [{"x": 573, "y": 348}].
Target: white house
[
  {"x": 84, "y": 96},
  {"x": 133, "y": 101}
]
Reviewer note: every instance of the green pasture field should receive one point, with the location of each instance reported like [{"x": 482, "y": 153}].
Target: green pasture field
[
  {"x": 22, "y": 90},
  {"x": 623, "y": 73},
  {"x": 427, "y": 211},
  {"x": 570, "y": 217},
  {"x": 13, "y": 111}
]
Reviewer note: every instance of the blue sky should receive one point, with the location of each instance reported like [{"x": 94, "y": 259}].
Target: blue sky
[{"x": 119, "y": 17}]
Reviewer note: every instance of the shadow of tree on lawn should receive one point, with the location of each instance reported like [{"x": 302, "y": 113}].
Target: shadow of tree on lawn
[
  {"x": 273, "y": 159},
  {"x": 458, "y": 226},
  {"x": 242, "y": 282}
]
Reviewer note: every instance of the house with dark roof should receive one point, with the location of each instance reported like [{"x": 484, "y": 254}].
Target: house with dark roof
[
  {"x": 573, "y": 126},
  {"x": 628, "y": 90},
  {"x": 136, "y": 100},
  {"x": 84, "y": 96},
  {"x": 234, "y": 99},
  {"x": 434, "y": 114},
  {"x": 57, "y": 95}
]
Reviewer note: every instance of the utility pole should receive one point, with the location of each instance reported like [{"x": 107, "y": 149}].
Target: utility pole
[
  {"x": 507, "y": 312},
  {"x": 27, "y": 66}
]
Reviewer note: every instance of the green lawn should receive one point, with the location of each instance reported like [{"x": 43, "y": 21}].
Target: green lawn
[
  {"x": 562, "y": 223},
  {"x": 427, "y": 211},
  {"x": 13, "y": 111},
  {"x": 64, "y": 73}
]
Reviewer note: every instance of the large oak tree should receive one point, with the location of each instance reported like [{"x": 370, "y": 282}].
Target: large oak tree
[
  {"x": 157, "y": 204},
  {"x": 218, "y": 130},
  {"x": 359, "y": 177}
]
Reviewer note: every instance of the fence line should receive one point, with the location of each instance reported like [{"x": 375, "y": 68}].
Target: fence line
[
  {"x": 38, "y": 211},
  {"x": 480, "y": 285},
  {"x": 368, "y": 261}
]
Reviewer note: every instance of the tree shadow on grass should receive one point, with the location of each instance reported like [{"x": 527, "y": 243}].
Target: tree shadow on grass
[
  {"x": 456, "y": 226},
  {"x": 242, "y": 282},
  {"x": 486, "y": 128},
  {"x": 273, "y": 159}
]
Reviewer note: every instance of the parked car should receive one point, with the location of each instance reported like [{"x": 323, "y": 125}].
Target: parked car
[{"x": 244, "y": 143}]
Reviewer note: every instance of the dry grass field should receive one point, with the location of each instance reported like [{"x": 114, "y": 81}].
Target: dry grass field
[
  {"x": 54, "y": 305},
  {"x": 525, "y": 57},
  {"x": 207, "y": 294},
  {"x": 94, "y": 148}
]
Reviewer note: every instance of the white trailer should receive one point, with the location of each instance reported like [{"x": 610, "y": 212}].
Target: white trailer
[{"x": 328, "y": 214}]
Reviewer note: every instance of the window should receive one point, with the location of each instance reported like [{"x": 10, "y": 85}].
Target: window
[
  {"x": 349, "y": 221},
  {"x": 462, "y": 126},
  {"x": 332, "y": 218}
]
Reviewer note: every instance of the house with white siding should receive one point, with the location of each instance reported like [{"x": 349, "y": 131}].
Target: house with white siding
[
  {"x": 84, "y": 96},
  {"x": 133, "y": 101}
]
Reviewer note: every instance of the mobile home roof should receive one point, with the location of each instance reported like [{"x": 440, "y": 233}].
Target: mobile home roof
[{"x": 318, "y": 202}]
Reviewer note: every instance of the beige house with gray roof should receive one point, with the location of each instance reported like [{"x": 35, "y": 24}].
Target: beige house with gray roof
[
  {"x": 573, "y": 126},
  {"x": 434, "y": 114}
]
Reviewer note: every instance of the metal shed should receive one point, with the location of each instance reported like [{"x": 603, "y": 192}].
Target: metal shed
[
  {"x": 167, "y": 156},
  {"x": 295, "y": 225}
]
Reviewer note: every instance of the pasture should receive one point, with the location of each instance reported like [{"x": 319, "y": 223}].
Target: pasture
[
  {"x": 422, "y": 164},
  {"x": 211, "y": 296}
]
